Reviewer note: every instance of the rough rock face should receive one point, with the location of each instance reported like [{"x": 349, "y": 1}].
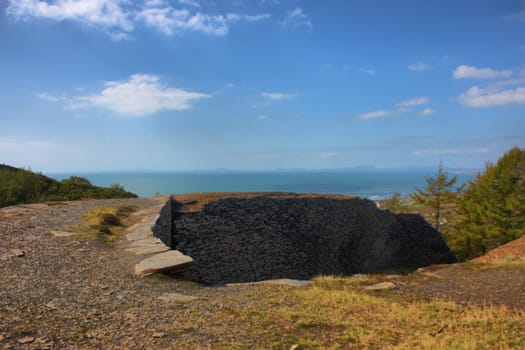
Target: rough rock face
[{"x": 253, "y": 239}]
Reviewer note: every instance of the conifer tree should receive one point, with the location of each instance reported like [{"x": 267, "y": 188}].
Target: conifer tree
[
  {"x": 437, "y": 197},
  {"x": 493, "y": 206}
]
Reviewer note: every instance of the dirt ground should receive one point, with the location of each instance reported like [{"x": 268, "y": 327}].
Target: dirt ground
[{"x": 81, "y": 293}]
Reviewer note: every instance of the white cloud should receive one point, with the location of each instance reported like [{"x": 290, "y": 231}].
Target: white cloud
[
  {"x": 419, "y": 66},
  {"x": 164, "y": 19},
  {"x": 488, "y": 97},
  {"x": 108, "y": 14},
  {"x": 368, "y": 71},
  {"x": 296, "y": 18},
  {"x": 417, "y": 101},
  {"x": 518, "y": 16},
  {"x": 193, "y": 3},
  {"x": 450, "y": 151},
  {"x": 140, "y": 95},
  {"x": 463, "y": 71},
  {"x": 427, "y": 112},
  {"x": 381, "y": 113},
  {"x": 277, "y": 95},
  {"x": 263, "y": 117},
  {"x": 49, "y": 98},
  {"x": 120, "y": 17},
  {"x": 234, "y": 17},
  {"x": 403, "y": 107}
]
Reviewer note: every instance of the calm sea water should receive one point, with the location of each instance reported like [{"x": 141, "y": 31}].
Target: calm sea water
[{"x": 369, "y": 184}]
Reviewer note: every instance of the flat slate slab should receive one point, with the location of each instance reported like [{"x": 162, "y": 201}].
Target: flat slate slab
[
  {"x": 279, "y": 282},
  {"x": 62, "y": 233},
  {"x": 148, "y": 249},
  {"x": 167, "y": 261},
  {"x": 139, "y": 231},
  {"x": 176, "y": 297}
]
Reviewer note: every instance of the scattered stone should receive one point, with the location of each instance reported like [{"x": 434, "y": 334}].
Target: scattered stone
[
  {"x": 151, "y": 249},
  {"x": 381, "y": 286},
  {"x": 295, "y": 347},
  {"x": 26, "y": 340},
  {"x": 176, "y": 297},
  {"x": 139, "y": 231},
  {"x": 168, "y": 261},
  {"x": 159, "y": 335},
  {"x": 1, "y": 337},
  {"x": 17, "y": 253},
  {"x": 432, "y": 275},
  {"x": 279, "y": 282},
  {"x": 61, "y": 233}
]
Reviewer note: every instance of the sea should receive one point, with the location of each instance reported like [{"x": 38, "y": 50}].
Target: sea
[{"x": 372, "y": 184}]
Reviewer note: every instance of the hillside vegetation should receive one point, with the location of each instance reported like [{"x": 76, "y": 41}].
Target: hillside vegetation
[
  {"x": 474, "y": 219},
  {"x": 23, "y": 186}
]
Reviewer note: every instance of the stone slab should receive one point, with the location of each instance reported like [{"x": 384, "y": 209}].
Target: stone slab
[
  {"x": 176, "y": 297},
  {"x": 62, "y": 233},
  {"x": 151, "y": 249},
  {"x": 381, "y": 286},
  {"x": 146, "y": 242},
  {"x": 279, "y": 282},
  {"x": 138, "y": 231},
  {"x": 167, "y": 261}
]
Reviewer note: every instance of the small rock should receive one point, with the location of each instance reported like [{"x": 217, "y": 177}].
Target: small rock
[
  {"x": 381, "y": 286},
  {"x": 432, "y": 275},
  {"x": 26, "y": 340},
  {"x": 176, "y": 297},
  {"x": 168, "y": 261},
  {"x": 18, "y": 253},
  {"x": 1, "y": 337},
  {"x": 61, "y": 233},
  {"x": 295, "y": 347},
  {"x": 159, "y": 335}
]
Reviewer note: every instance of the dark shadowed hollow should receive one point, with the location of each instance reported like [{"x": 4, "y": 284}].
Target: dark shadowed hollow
[{"x": 266, "y": 237}]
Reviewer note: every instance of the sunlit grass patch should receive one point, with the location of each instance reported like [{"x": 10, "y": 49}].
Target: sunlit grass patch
[
  {"x": 335, "y": 313},
  {"x": 105, "y": 222}
]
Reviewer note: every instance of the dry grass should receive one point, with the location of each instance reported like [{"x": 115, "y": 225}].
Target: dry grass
[
  {"x": 105, "y": 222},
  {"x": 335, "y": 313}
]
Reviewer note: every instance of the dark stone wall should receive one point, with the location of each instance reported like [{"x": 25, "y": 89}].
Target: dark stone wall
[{"x": 242, "y": 240}]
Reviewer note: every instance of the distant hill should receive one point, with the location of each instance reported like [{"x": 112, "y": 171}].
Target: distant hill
[{"x": 24, "y": 186}]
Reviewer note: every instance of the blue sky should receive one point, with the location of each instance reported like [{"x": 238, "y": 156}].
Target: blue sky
[{"x": 96, "y": 85}]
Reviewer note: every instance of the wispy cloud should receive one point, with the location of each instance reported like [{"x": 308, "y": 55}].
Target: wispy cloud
[
  {"x": 367, "y": 71},
  {"x": 489, "y": 97},
  {"x": 419, "y": 66},
  {"x": 139, "y": 96},
  {"x": 50, "y": 98},
  {"x": 277, "y": 95},
  {"x": 463, "y": 72},
  {"x": 404, "y": 106},
  {"x": 450, "y": 151},
  {"x": 296, "y": 18},
  {"x": 108, "y": 14},
  {"x": 518, "y": 16},
  {"x": 263, "y": 117},
  {"x": 119, "y": 18},
  {"x": 380, "y": 113},
  {"x": 427, "y": 112},
  {"x": 192, "y": 3},
  {"x": 417, "y": 101},
  {"x": 503, "y": 92}
]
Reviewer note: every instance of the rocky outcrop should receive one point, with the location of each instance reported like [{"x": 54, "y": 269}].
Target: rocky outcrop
[{"x": 261, "y": 238}]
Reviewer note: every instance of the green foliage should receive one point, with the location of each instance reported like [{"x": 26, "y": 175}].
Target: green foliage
[
  {"x": 396, "y": 204},
  {"x": 23, "y": 186},
  {"x": 438, "y": 198},
  {"x": 492, "y": 209}
]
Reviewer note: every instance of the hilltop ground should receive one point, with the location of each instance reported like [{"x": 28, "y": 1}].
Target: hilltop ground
[{"x": 80, "y": 293}]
